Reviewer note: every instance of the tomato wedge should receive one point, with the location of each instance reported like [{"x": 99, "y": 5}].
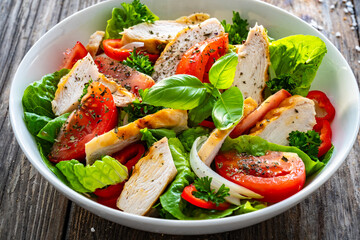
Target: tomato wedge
[
  {"x": 188, "y": 196},
  {"x": 273, "y": 175},
  {"x": 96, "y": 115},
  {"x": 199, "y": 58},
  {"x": 112, "y": 48},
  {"x": 250, "y": 120},
  {"x": 130, "y": 155},
  {"x": 323, "y": 102},
  {"x": 324, "y": 129},
  {"x": 71, "y": 56}
]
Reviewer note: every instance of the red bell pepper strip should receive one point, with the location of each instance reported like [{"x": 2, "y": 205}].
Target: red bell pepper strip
[
  {"x": 322, "y": 101},
  {"x": 109, "y": 202},
  {"x": 130, "y": 155},
  {"x": 112, "y": 48},
  {"x": 207, "y": 124},
  {"x": 324, "y": 129},
  {"x": 188, "y": 196},
  {"x": 110, "y": 191}
]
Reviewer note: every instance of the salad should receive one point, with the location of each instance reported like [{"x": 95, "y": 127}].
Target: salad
[{"x": 192, "y": 118}]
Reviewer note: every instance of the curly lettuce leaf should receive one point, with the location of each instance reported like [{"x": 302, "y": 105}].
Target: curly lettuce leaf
[
  {"x": 38, "y": 95},
  {"x": 50, "y": 131},
  {"x": 189, "y": 136},
  {"x": 247, "y": 206},
  {"x": 127, "y": 16},
  {"x": 299, "y": 57},
  {"x": 104, "y": 172},
  {"x": 151, "y": 136},
  {"x": 257, "y": 146}
]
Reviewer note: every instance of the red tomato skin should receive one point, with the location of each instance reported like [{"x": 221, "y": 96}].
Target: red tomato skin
[
  {"x": 95, "y": 115},
  {"x": 116, "y": 70},
  {"x": 195, "y": 60},
  {"x": 276, "y": 184},
  {"x": 188, "y": 196},
  {"x": 71, "y": 56}
]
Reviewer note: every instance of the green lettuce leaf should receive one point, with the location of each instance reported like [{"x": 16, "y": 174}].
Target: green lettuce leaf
[
  {"x": 257, "y": 146},
  {"x": 299, "y": 57},
  {"x": 247, "y": 206},
  {"x": 326, "y": 158},
  {"x": 189, "y": 136},
  {"x": 34, "y": 122},
  {"x": 127, "y": 16},
  {"x": 150, "y": 136},
  {"x": 50, "y": 131},
  {"x": 104, "y": 172},
  {"x": 38, "y": 95},
  {"x": 172, "y": 203}
]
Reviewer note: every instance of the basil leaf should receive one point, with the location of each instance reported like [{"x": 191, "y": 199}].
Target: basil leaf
[
  {"x": 203, "y": 111},
  {"x": 228, "y": 109},
  {"x": 179, "y": 92},
  {"x": 222, "y": 73}
]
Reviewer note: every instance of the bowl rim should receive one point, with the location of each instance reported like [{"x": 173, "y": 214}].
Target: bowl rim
[{"x": 110, "y": 214}]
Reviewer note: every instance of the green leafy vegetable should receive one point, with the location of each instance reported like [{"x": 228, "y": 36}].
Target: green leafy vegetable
[
  {"x": 127, "y": 16},
  {"x": 203, "y": 191},
  {"x": 203, "y": 111},
  {"x": 284, "y": 82},
  {"x": 326, "y": 158},
  {"x": 257, "y": 146},
  {"x": 180, "y": 91},
  {"x": 299, "y": 57},
  {"x": 228, "y": 109},
  {"x": 85, "y": 89},
  {"x": 150, "y": 136},
  {"x": 140, "y": 62},
  {"x": 222, "y": 73},
  {"x": 189, "y": 136},
  {"x": 50, "y": 131},
  {"x": 38, "y": 95},
  {"x": 308, "y": 142},
  {"x": 247, "y": 206},
  {"x": 138, "y": 109},
  {"x": 238, "y": 31},
  {"x": 34, "y": 122},
  {"x": 107, "y": 171}
]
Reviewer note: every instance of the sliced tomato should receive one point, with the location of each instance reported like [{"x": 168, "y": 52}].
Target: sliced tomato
[
  {"x": 130, "y": 155},
  {"x": 200, "y": 57},
  {"x": 112, "y": 48},
  {"x": 322, "y": 102},
  {"x": 110, "y": 191},
  {"x": 250, "y": 120},
  {"x": 324, "y": 129},
  {"x": 187, "y": 195},
  {"x": 96, "y": 115},
  {"x": 272, "y": 176},
  {"x": 71, "y": 56},
  {"x": 131, "y": 80}
]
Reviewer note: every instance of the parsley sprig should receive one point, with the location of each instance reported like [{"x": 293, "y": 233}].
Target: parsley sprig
[
  {"x": 282, "y": 82},
  {"x": 307, "y": 142},
  {"x": 237, "y": 31},
  {"x": 204, "y": 191},
  {"x": 137, "y": 110},
  {"x": 140, "y": 62}
]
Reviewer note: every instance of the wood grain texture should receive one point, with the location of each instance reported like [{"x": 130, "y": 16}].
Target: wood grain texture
[{"x": 30, "y": 208}]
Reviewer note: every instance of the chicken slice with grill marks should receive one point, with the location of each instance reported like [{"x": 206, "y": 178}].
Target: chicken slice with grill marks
[
  {"x": 169, "y": 59},
  {"x": 149, "y": 179},
  {"x": 217, "y": 137},
  {"x": 70, "y": 87},
  {"x": 253, "y": 62},
  {"x": 295, "y": 113},
  {"x": 156, "y": 35},
  {"x": 117, "y": 139}
]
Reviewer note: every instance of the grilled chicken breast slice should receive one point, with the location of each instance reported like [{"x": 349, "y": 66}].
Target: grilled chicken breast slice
[
  {"x": 156, "y": 35},
  {"x": 295, "y": 113},
  {"x": 94, "y": 42},
  {"x": 149, "y": 179},
  {"x": 169, "y": 59},
  {"x": 217, "y": 137},
  {"x": 254, "y": 59},
  {"x": 70, "y": 87},
  {"x": 117, "y": 139}
]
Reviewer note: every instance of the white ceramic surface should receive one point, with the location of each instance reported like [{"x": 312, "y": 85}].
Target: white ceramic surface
[{"x": 334, "y": 77}]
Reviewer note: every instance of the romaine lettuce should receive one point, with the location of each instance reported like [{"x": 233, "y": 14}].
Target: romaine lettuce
[
  {"x": 150, "y": 136},
  {"x": 50, "y": 131},
  {"x": 297, "y": 59},
  {"x": 34, "y": 122},
  {"x": 189, "y": 136}
]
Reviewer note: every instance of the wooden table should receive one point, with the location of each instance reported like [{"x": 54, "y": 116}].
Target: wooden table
[{"x": 30, "y": 208}]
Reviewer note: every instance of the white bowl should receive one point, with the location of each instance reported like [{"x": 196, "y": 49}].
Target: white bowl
[{"x": 334, "y": 77}]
